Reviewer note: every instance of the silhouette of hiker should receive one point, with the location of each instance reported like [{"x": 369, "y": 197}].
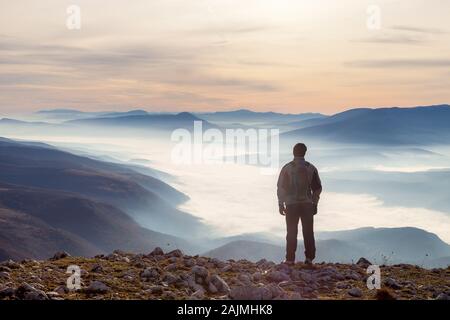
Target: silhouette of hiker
[{"x": 298, "y": 191}]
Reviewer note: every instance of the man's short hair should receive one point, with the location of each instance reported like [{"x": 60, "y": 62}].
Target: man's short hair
[{"x": 300, "y": 150}]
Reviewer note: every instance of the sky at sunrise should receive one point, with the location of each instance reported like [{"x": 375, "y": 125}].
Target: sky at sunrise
[{"x": 268, "y": 55}]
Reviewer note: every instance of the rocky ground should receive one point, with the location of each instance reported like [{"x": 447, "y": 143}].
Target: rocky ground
[{"x": 173, "y": 275}]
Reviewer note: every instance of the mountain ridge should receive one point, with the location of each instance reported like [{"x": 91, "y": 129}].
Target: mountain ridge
[{"x": 415, "y": 125}]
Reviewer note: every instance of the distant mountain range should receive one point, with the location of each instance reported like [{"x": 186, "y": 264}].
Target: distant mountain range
[
  {"x": 147, "y": 121},
  {"x": 327, "y": 250},
  {"x": 380, "y": 245},
  {"x": 382, "y": 126},
  {"x": 136, "y": 120},
  {"x": 244, "y": 116},
  {"x": 390, "y": 126},
  {"x": 73, "y": 114},
  {"x": 404, "y": 189}
]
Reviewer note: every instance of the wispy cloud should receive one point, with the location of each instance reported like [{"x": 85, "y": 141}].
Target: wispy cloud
[
  {"x": 400, "y": 63},
  {"x": 419, "y": 29},
  {"x": 259, "y": 53},
  {"x": 394, "y": 39}
]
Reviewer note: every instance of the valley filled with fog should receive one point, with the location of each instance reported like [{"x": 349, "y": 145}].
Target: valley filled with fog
[
  {"x": 364, "y": 185},
  {"x": 373, "y": 177}
]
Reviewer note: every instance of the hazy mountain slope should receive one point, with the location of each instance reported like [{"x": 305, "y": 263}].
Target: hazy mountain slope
[
  {"x": 248, "y": 116},
  {"x": 21, "y": 154},
  {"x": 72, "y": 114},
  {"x": 327, "y": 250},
  {"x": 396, "y": 188},
  {"x": 24, "y": 236},
  {"x": 13, "y": 125},
  {"x": 439, "y": 262},
  {"x": 87, "y": 202},
  {"x": 396, "y": 244},
  {"x": 146, "y": 121},
  {"x": 101, "y": 226},
  {"x": 264, "y": 237},
  {"x": 380, "y": 245},
  {"x": 345, "y": 115},
  {"x": 147, "y": 199},
  {"x": 419, "y": 125},
  {"x": 245, "y": 249}
]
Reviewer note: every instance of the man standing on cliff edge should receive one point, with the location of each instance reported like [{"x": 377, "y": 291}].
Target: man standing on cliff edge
[{"x": 298, "y": 191}]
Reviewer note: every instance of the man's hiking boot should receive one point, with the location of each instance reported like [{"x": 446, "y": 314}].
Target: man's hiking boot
[{"x": 308, "y": 262}]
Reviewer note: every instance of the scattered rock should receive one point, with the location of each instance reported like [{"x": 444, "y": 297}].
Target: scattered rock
[
  {"x": 192, "y": 284},
  {"x": 97, "y": 287},
  {"x": 200, "y": 272},
  {"x": 266, "y": 264},
  {"x": 391, "y": 283},
  {"x": 169, "y": 295},
  {"x": 28, "y": 292},
  {"x": 4, "y": 269},
  {"x": 306, "y": 277},
  {"x": 157, "y": 252},
  {"x": 245, "y": 278},
  {"x": 363, "y": 263},
  {"x": 218, "y": 263},
  {"x": 177, "y": 253},
  {"x": 156, "y": 289},
  {"x": 97, "y": 268},
  {"x": 212, "y": 288},
  {"x": 171, "y": 267},
  {"x": 275, "y": 290},
  {"x": 343, "y": 285},
  {"x": 250, "y": 293},
  {"x": 52, "y": 295},
  {"x": 295, "y": 296},
  {"x": 60, "y": 255},
  {"x": 353, "y": 276},
  {"x": 385, "y": 294},
  {"x": 220, "y": 284},
  {"x": 173, "y": 259},
  {"x": 177, "y": 276},
  {"x": 227, "y": 268},
  {"x": 7, "y": 292},
  {"x": 355, "y": 292},
  {"x": 11, "y": 264},
  {"x": 169, "y": 278},
  {"x": 113, "y": 257},
  {"x": 129, "y": 276},
  {"x": 189, "y": 262},
  {"x": 443, "y": 296},
  {"x": 61, "y": 290},
  {"x": 150, "y": 273},
  {"x": 278, "y": 276},
  {"x": 198, "y": 295},
  {"x": 202, "y": 261}
]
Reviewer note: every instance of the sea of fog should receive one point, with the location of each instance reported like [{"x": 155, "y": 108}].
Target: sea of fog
[{"x": 237, "y": 198}]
